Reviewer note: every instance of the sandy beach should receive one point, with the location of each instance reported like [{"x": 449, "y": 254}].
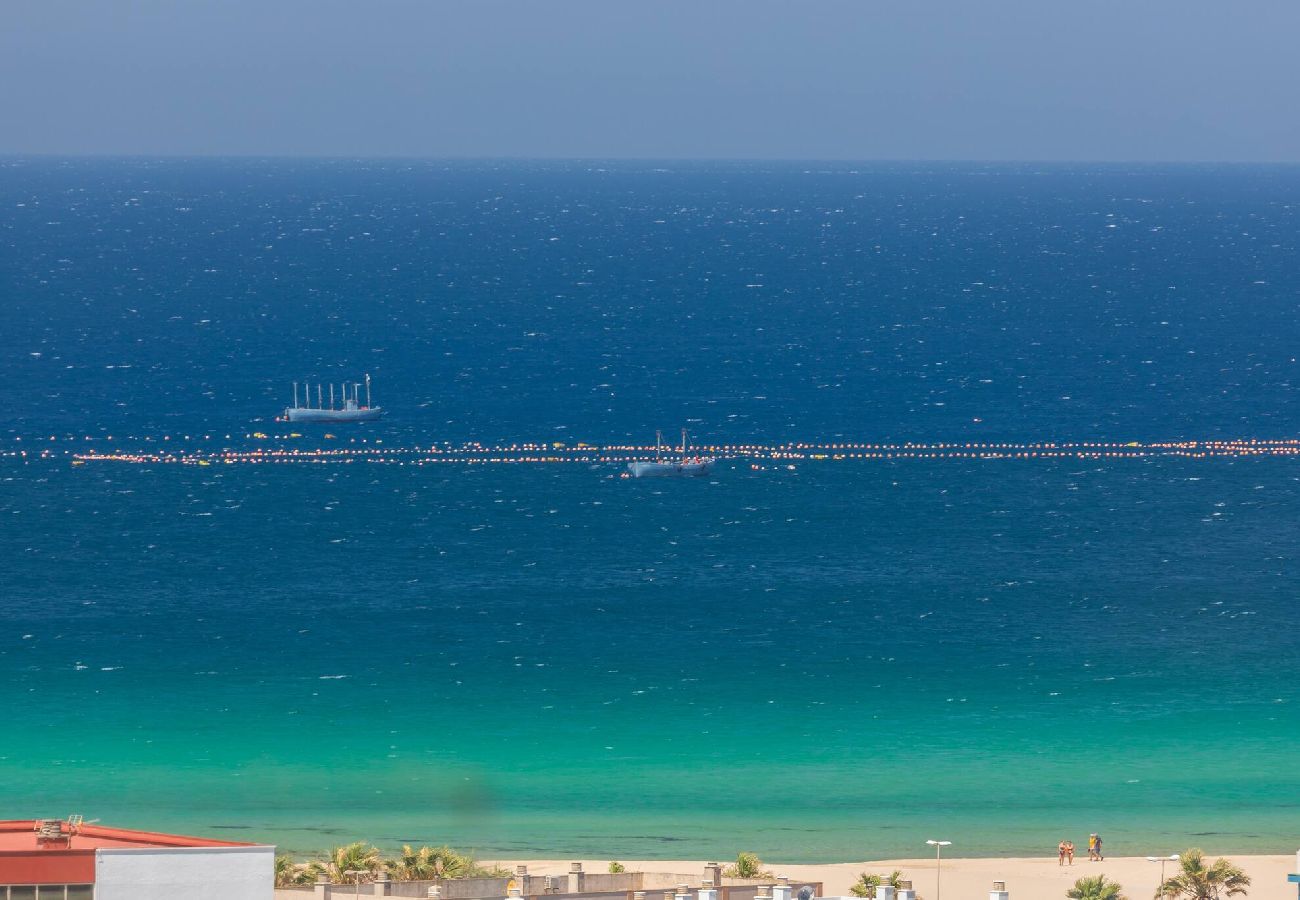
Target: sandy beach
[{"x": 1027, "y": 878}]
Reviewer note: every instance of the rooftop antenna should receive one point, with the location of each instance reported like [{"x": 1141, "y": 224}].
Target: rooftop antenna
[{"x": 367, "y": 390}]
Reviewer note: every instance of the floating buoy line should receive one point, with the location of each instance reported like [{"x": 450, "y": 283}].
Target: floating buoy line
[{"x": 182, "y": 450}]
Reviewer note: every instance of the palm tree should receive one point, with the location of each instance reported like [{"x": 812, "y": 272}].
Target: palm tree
[
  {"x": 449, "y": 863},
  {"x": 1197, "y": 881},
  {"x": 354, "y": 857},
  {"x": 430, "y": 863},
  {"x": 747, "y": 865},
  {"x": 867, "y": 883},
  {"x": 287, "y": 871},
  {"x": 1096, "y": 887},
  {"x": 414, "y": 865}
]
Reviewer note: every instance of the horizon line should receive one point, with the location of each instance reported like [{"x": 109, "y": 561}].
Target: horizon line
[{"x": 6, "y": 155}]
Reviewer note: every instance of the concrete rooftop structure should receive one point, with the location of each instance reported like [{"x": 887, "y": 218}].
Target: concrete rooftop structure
[{"x": 66, "y": 859}]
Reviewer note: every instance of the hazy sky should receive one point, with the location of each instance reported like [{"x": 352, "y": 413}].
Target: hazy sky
[{"x": 850, "y": 79}]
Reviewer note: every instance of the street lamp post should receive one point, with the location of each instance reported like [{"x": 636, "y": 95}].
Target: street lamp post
[
  {"x": 1162, "y": 860},
  {"x": 938, "y": 862},
  {"x": 356, "y": 877}
]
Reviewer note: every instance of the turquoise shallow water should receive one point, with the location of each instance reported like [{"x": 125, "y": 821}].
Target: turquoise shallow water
[
  {"x": 831, "y": 662},
  {"x": 821, "y": 664}
]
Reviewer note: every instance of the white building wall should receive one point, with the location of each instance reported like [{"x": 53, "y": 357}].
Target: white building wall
[{"x": 185, "y": 873}]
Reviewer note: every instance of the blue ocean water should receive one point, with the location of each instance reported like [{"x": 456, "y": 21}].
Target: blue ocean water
[{"x": 833, "y": 661}]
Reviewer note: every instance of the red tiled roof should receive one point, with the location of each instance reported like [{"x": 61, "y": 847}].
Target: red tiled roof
[
  {"x": 28, "y": 858},
  {"x": 20, "y": 835}
]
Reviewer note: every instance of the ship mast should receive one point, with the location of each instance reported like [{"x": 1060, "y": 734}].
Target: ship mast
[
  {"x": 331, "y": 395},
  {"x": 295, "y": 395},
  {"x": 659, "y": 441},
  {"x": 367, "y": 390}
]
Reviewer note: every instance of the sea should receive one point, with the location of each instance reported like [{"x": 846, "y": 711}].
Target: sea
[{"x": 824, "y": 660}]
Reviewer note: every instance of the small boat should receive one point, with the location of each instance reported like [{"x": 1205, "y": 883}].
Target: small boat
[
  {"x": 350, "y": 411},
  {"x": 684, "y": 466}
]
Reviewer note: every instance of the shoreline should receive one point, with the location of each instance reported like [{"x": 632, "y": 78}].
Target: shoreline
[{"x": 968, "y": 878}]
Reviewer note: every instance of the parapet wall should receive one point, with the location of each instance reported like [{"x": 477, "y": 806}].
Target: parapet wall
[{"x": 639, "y": 886}]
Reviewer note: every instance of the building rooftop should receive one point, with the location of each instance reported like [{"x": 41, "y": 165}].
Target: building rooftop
[{"x": 28, "y": 835}]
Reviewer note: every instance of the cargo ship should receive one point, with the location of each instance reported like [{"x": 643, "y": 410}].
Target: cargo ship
[
  {"x": 351, "y": 409},
  {"x": 684, "y": 466}
]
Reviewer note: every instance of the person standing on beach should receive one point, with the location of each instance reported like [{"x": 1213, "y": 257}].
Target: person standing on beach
[
  {"x": 1092, "y": 847},
  {"x": 1100, "y": 858},
  {"x": 1069, "y": 852},
  {"x": 1060, "y": 853}
]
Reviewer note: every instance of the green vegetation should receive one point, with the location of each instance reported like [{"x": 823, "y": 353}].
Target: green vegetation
[
  {"x": 747, "y": 865},
  {"x": 445, "y": 862},
  {"x": 426, "y": 863},
  {"x": 1197, "y": 881},
  {"x": 867, "y": 883},
  {"x": 616, "y": 868},
  {"x": 355, "y": 857},
  {"x": 1096, "y": 887},
  {"x": 288, "y": 871},
  {"x": 411, "y": 864}
]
